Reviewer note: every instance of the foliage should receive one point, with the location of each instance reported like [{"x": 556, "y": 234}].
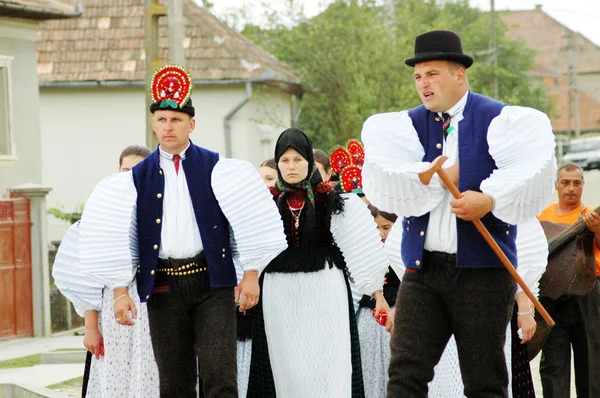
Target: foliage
[
  {"x": 351, "y": 58},
  {"x": 58, "y": 212}
]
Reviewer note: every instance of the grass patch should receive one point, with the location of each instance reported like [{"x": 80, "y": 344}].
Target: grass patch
[
  {"x": 73, "y": 383},
  {"x": 23, "y": 362}
]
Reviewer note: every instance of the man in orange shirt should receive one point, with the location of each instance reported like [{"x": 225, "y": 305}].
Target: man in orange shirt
[{"x": 577, "y": 318}]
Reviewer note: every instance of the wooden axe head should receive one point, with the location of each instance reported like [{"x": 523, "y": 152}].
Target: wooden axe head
[{"x": 427, "y": 175}]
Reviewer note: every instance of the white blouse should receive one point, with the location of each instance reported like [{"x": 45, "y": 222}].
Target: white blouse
[
  {"x": 520, "y": 142},
  {"x": 108, "y": 236}
]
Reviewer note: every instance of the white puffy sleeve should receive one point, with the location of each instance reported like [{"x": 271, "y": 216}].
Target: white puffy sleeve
[
  {"x": 393, "y": 248},
  {"x": 84, "y": 292},
  {"x": 356, "y": 234},
  {"x": 108, "y": 249},
  {"x": 251, "y": 212},
  {"x": 532, "y": 252},
  {"x": 393, "y": 161},
  {"x": 522, "y": 144}
]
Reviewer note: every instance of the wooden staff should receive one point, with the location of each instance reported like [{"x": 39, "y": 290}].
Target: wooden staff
[{"x": 425, "y": 177}]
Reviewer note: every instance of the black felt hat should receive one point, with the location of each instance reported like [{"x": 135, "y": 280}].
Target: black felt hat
[{"x": 439, "y": 45}]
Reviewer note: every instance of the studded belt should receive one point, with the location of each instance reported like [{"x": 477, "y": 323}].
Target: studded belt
[{"x": 182, "y": 267}]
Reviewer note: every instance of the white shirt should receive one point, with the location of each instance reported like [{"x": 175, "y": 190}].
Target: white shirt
[
  {"x": 180, "y": 235},
  {"x": 441, "y": 232}
]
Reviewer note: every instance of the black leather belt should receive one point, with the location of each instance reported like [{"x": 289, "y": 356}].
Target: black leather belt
[{"x": 439, "y": 257}]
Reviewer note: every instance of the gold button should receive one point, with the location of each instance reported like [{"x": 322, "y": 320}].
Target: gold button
[
  {"x": 158, "y": 220},
  {"x": 422, "y": 233},
  {"x": 507, "y": 232},
  {"x": 139, "y": 265},
  {"x": 437, "y": 119},
  {"x": 215, "y": 227},
  {"x": 408, "y": 222},
  {"x": 508, "y": 225},
  {"x": 223, "y": 256},
  {"x": 438, "y": 145},
  {"x": 160, "y": 172},
  {"x": 159, "y": 195},
  {"x": 139, "y": 271},
  {"x": 155, "y": 247},
  {"x": 223, "y": 250},
  {"x": 408, "y": 229},
  {"x": 417, "y": 263},
  {"x": 152, "y": 272},
  {"x": 147, "y": 297}
]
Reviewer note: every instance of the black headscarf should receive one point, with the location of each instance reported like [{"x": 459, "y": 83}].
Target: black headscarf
[{"x": 298, "y": 140}]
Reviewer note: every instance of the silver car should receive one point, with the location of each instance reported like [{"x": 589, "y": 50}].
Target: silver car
[{"x": 584, "y": 152}]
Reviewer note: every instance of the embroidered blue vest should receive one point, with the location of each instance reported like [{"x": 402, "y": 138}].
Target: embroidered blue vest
[
  {"x": 214, "y": 228},
  {"x": 476, "y": 165}
]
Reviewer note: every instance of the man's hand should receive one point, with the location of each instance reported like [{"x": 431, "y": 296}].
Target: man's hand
[
  {"x": 452, "y": 172},
  {"x": 247, "y": 291},
  {"x": 472, "y": 206},
  {"x": 122, "y": 306},
  {"x": 592, "y": 221},
  {"x": 389, "y": 326}
]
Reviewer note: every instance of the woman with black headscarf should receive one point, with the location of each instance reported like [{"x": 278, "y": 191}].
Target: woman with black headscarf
[{"x": 305, "y": 342}]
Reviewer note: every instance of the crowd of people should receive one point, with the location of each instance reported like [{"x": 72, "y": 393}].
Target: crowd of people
[{"x": 223, "y": 280}]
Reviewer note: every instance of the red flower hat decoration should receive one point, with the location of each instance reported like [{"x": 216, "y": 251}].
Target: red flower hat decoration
[{"x": 171, "y": 84}]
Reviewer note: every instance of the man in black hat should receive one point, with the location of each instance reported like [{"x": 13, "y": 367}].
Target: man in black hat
[
  {"x": 502, "y": 160},
  {"x": 186, "y": 214}
]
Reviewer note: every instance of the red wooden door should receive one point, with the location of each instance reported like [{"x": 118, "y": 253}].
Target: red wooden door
[{"x": 16, "y": 300}]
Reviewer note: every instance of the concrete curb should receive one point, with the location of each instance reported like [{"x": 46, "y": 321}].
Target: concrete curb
[{"x": 61, "y": 357}]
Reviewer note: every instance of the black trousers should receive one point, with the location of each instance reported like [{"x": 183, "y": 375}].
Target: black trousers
[
  {"x": 193, "y": 330},
  {"x": 440, "y": 300},
  {"x": 577, "y": 326}
]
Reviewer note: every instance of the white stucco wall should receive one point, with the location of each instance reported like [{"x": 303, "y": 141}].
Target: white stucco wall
[
  {"x": 84, "y": 130},
  {"x": 17, "y": 40}
]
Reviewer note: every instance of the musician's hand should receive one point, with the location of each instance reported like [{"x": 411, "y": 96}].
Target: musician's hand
[
  {"x": 592, "y": 221},
  {"x": 472, "y": 206}
]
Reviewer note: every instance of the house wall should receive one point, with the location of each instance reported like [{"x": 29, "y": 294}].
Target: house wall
[
  {"x": 17, "y": 40},
  {"x": 84, "y": 130},
  {"x": 590, "y": 83}
]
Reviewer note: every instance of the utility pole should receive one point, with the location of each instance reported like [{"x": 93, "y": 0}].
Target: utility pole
[
  {"x": 153, "y": 11},
  {"x": 495, "y": 48},
  {"x": 573, "y": 92}
]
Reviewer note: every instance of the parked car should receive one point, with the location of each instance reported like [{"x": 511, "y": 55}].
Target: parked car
[{"x": 584, "y": 152}]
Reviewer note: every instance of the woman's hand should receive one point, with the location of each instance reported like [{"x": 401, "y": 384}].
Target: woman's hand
[
  {"x": 389, "y": 326},
  {"x": 123, "y": 305},
  {"x": 380, "y": 304},
  {"x": 92, "y": 340},
  {"x": 247, "y": 292},
  {"x": 525, "y": 322}
]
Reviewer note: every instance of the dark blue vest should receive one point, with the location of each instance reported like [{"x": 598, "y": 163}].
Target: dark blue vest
[
  {"x": 476, "y": 165},
  {"x": 214, "y": 227}
]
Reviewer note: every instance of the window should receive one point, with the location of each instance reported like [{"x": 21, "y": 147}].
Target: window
[{"x": 7, "y": 142}]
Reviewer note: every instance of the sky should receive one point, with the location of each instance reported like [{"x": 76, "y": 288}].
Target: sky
[{"x": 581, "y": 16}]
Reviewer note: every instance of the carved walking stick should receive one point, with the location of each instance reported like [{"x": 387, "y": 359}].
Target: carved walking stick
[{"x": 425, "y": 177}]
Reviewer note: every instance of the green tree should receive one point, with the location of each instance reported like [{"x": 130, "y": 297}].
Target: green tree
[{"x": 351, "y": 58}]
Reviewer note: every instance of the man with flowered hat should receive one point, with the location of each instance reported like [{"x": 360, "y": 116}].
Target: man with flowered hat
[
  {"x": 501, "y": 158},
  {"x": 187, "y": 214}
]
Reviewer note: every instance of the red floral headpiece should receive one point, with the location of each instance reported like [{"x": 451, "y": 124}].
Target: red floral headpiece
[
  {"x": 171, "y": 88},
  {"x": 347, "y": 162}
]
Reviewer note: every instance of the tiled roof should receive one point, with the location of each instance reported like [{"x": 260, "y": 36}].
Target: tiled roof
[
  {"x": 39, "y": 10},
  {"x": 107, "y": 44},
  {"x": 548, "y": 38}
]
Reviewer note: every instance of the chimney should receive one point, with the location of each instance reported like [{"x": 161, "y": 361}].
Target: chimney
[{"x": 538, "y": 7}]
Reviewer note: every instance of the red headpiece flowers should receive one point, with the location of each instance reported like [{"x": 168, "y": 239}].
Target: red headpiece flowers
[
  {"x": 347, "y": 162},
  {"x": 171, "y": 88}
]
